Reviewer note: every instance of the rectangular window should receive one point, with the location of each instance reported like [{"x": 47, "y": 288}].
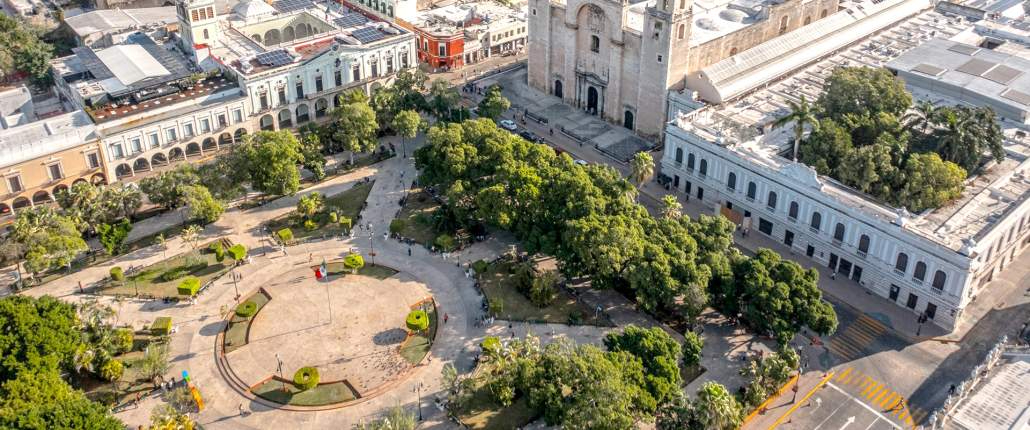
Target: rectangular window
[
  {"x": 14, "y": 184},
  {"x": 170, "y": 135},
  {"x": 282, "y": 96},
  {"x": 187, "y": 130},
  {"x": 205, "y": 125},
  {"x": 264, "y": 101},
  {"x": 194, "y": 15},
  {"x": 222, "y": 121},
  {"x": 338, "y": 77},
  {"x": 135, "y": 144},
  {"x": 389, "y": 65},
  {"x": 765, "y": 226},
  {"x": 300, "y": 90},
  {"x": 404, "y": 60},
  {"x": 356, "y": 74},
  {"x": 155, "y": 141},
  {"x": 93, "y": 160},
  {"x": 375, "y": 70},
  {"x": 55, "y": 171},
  {"x": 318, "y": 84},
  {"x": 443, "y": 50},
  {"x": 117, "y": 151},
  {"x": 237, "y": 116}
]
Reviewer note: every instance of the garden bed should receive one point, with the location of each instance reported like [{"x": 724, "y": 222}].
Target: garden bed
[
  {"x": 483, "y": 413},
  {"x": 322, "y": 394},
  {"x": 379, "y": 272},
  {"x": 129, "y": 385},
  {"x": 347, "y": 204},
  {"x": 236, "y": 333},
  {"x": 157, "y": 280},
  {"x": 416, "y": 346},
  {"x": 498, "y": 283},
  {"x": 416, "y": 216}
]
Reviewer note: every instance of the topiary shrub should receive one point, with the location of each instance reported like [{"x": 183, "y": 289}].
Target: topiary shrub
[
  {"x": 246, "y": 309},
  {"x": 334, "y": 218},
  {"x": 189, "y": 286},
  {"x": 345, "y": 222},
  {"x": 238, "y": 252},
  {"x": 162, "y": 326},
  {"x": 123, "y": 339},
  {"x": 480, "y": 266},
  {"x": 417, "y": 320},
  {"x": 397, "y": 225},
  {"x": 117, "y": 274},
  {"x": 219, "y": 251},
  {"x": 112, "y": 370},
  {"x": 285, "y": 235},
  {"x": 306, "y": 378},
  {"x": 353, "y": 262},
  {"x": 445, "y": 242},
  {"x": 310, "y": 225}
]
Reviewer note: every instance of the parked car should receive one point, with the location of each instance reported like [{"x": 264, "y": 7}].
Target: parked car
[
  {"x": 530, "y": 136},
  {"x": 508, "y": 124},
  {"x": 582, "y": 162}
]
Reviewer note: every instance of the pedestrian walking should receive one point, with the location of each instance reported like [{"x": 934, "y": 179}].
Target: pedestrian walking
[
  {"x": 241, "y": 409},
  {"x": 386, "y": 235},
  {"x": 311, "y": 256},
  {"x": 445, "y": 318},
  {"x": 80, "y": 288},
  {"x": 409, "y": 251}
]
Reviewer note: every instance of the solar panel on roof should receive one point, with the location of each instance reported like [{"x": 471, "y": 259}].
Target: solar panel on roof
[
  {"x": 350, "y": 19},
  {"x": 976, "y": 67},
  {"x": 964, "y": 49},
  {"x": 1017, "y": 96},
  {"x": 368, "y": 34},
  {"x": 1002, "y": 74},
  {"x": 928, "y": 69},
  {"x": 275, "y": 58},
  {"x": 292, "y": 5}
]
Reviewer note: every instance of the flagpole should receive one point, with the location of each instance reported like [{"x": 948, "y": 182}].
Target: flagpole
[{"x": 328, "y": 301}]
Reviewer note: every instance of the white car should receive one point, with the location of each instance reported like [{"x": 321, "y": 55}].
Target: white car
[
  {"x": 508, "y": 124},
  {"x": 582, "y": 162}
]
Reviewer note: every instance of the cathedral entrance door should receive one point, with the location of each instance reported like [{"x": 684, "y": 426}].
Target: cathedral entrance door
[
  {"x": 592, "y": 100},
  {"x": 557, "y": 89}
]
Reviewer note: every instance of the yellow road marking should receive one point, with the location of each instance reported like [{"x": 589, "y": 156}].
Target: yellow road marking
[
  {"x": 844, "y": 374},
  {"x": 882, "y": 395},
  {"x": 855, "y": 376},
  {"x": 880, "y": 389},
  {"x": 803, "y": 399},
  {"x": 871, "y": 387},
  {"x": 889, "y": 399}
]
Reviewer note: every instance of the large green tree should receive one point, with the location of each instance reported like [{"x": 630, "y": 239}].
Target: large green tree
[
  {"x": 657, "y": 351},
  {"x": 863, "y": 91},
  {"x": 24, "y": 50},
  {"x": 716, "y": 408},
  {"x": 36, "y": 334},
  {"x": 406, "y": 124},
  {"x": 48, "y": 238},
  {"x": 268, "y": 161},
  {"x": 166, "y": 188},
  {"x": 801, "y": 113},
  {"x": 930, "y": 182},
  {"x": 494, "y": 104},
  {"x": 201, "y": 204},
  {"x": 355, "y": 125},
  {"x": 42, "y": 401}
]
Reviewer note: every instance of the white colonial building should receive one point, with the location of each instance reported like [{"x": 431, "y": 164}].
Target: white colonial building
[
  {"x": 160, "y": 97},
  {"x": 934, "y": 263}
]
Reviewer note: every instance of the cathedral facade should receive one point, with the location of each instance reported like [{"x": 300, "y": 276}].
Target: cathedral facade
[{"x": 619, "y": 60}]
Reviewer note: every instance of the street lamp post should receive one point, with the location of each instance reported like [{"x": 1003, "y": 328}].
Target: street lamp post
[
  {"x": 234, "y": 285},
  {"x": 279, "y": 367},
  {"x": 418, "y": 389},
  {"x": 371, "y": 247}
]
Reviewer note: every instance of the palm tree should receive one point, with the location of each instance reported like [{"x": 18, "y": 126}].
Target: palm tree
[
  {"x": 641, "y": 168},
  {"x": 800, "y": 114},
  {"x": 671, "y": 208},
  {"x": 923, "y": 116},
  {"x": 953, "y": 140},
  {"x": 717, "y": 408}
]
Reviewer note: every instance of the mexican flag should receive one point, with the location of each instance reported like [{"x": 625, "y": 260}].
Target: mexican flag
[{"x": 322, "y": 271}]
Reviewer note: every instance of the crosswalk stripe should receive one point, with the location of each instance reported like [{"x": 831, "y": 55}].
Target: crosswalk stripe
[
  {"x": 889, "y": 399},
  {"x": 843, "y": 350},
  {"x": 855, "y": 376},
  {"x": 874, "y": 385},
  {"x": 844, "y": 374},
  {"x": 880, "y": 397},
  {"x": 881, "y": 388},
  {"x": 904, "y": 413}
]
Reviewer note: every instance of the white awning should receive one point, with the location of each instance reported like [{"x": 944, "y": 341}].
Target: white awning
[{"x": 131, "y": 63}]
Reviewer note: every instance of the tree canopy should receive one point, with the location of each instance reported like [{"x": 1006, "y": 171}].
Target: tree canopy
[
  {"x": 658, "y": 352},
  {"x": 48, "y": 238},
  {"x": 494, "y": 104},
  {"x": 24, "y": 50},
  {"x": 267, "y": 160}
]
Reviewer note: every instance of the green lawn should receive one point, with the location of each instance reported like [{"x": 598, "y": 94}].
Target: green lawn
[
  {"x": 322, "y": 394},
  {"x": 415, "y": 348},
  {"x": 379, "y": 272},
  {"x": 346, "y": 204},
  {"x": 497, "y": 283},
  {"x": 148, "y": 281},
  {"x": 236, "y": 334},
  {"x": 482, "y": 413},
  {"x": 417, "y": 214}
]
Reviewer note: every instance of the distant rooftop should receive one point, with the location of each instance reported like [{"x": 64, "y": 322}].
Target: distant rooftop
[
  {"x": 106, "y": 20},
  {"x": 15, "y": 107},
  {"x": 43, "y": 137},
  {"x": 1002, "y": 402},
  {"x": 743, "y": 125}
]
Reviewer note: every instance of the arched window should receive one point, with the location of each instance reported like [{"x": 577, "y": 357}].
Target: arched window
[
  {"x": 703, "y": 169},
  {"x": 783, "y": 24},
  {"x": 863, "y": 244},
  {"x": 733, "y": 51},
  {"x": 838, "y": 232},
  {"x": 681, "y": 31},
  {"x": 679, "y": 155},
  {"x": 771, "y": 200},
  {"x": 731, "y": 181},
  {"x": 595, "y": 43},
  {"x": 822, "y": 14},
  {"x": 920, "y": 272},
  {"x": 793, "y": 211},
  {"x": 901, "y": 264},
  {"x": 690, "y": 161},
  {"x": 808, "y": 20},
  {"x": 752, "y": 189},
  {"x": 817, "y": 220},
  {"x": 939, "y": 279}
]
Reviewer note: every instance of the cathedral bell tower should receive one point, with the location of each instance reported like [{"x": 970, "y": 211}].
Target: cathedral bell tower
[{"x": 198, "y": 23}]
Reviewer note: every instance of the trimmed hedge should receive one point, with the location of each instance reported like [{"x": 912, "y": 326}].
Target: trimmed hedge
[
  {"x": 246, "y": 309},
  {"x": 285, "y": 235},
  {"x": 238, "y": 252},
  {"x": 353, "y": 261},
  {"x": 306, "y": 378},
  {"x": 219, "y": 251},
  {"x": 162, "y": 326},
  {"x": 480, "y": 266},
  {"x": 189, "y": 286},
  {"x": 117, "y": 274},
  {"x": 417, "y": 320}
]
